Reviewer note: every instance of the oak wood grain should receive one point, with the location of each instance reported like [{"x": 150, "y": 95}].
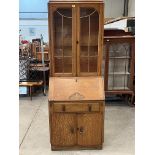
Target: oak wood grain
[
  {"x": 91, "y": 132},
  {"x": 61, "y": 88},
  {"x": 63, "y": 129}
]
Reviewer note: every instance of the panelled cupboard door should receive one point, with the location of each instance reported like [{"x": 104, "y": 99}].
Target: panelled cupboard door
[
  {"x": 62, "y": 36},
  {"x": 90, "y": 129},
  {"x": 63, "y": 129},
  {"x": 76, "y": 39}
]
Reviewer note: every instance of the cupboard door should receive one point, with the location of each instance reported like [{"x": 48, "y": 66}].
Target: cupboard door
[
  {"x": 88, "y": 41},
  {"x": 90, "y": 129},
  {"x": 63, "y": 129},
  {"x": 63, "y": 23}
]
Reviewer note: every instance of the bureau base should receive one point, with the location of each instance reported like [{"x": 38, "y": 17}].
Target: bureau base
[{"x": 57, "y": 148}]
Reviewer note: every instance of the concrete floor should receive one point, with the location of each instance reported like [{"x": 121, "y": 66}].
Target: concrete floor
[{"x": 34, "y": 130}]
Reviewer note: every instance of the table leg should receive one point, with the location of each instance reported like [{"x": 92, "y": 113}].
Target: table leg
[{"x": 31, "y": 93}]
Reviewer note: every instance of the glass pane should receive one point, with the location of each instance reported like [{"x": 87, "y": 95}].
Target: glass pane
[
  {"x": 67, "y": 31},
  {"x": 92, "y": 64},
  {"x": 119, "y": 50},
  {"x": 118, "y": 82},
  {"x": 94, "y": 28},
  {"x": 84, "y": 64},
  {"x": 110, "y": 82},
  {"x": 67, "y": 51},
  {"x": 119, "y": 66},
  {"x": 57, "y": 31},
  {"x": 93, "y": 51},
  {"x": 89, "y": 28},
  {"x": 84, "y": 31},
  {"x": 67, "y": 64},
  {"x": 63, "y": 40},
  {"x": 84, "y": 51},
  {"x": 58, "y": 65},
  {"x": 58, "y": 52}
]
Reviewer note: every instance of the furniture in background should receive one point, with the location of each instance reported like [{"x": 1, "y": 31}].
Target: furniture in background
[
  {"x": 76, "y": 87},
  {"x": 32, "y": 72},
  {"x": 36, "y": 51},
  {"x": 119, "y": 47},
  {"x": 37, "y": 42},
  {"x": 28, "y": 74}
]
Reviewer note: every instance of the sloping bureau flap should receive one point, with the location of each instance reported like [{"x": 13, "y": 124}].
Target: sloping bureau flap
[{"x": 76, "y": 88}]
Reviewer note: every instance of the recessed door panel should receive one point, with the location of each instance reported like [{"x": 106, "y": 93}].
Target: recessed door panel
[
  {"x": 63, "y": 129},
  {"x": 89, "y": 129}
]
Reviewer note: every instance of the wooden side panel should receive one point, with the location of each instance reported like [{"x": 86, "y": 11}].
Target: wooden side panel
[
  {"x": 90, "y": 129},
  {"x": 63, "y": 129},
  {"x": 101, "y": 35}
]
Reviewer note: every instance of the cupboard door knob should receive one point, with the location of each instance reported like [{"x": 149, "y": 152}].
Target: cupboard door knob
[
  {"x": 81, "y": 130},
  {"x": 63, "y": 108}
]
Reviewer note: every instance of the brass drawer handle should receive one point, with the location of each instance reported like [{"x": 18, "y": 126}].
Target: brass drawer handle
[
  {"x": 63, "y": 108},
  {"x": 89, "y": 108}
]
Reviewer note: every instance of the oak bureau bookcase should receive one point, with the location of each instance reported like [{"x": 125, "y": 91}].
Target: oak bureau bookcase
[{"x": 76, "y": 88}]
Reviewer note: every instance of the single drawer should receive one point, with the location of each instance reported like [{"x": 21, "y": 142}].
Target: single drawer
[{"x": 76, "y": 107}]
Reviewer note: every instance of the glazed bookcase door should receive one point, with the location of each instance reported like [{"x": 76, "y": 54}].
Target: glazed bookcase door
[
  {"x": 63, "y": 41},
  {"x": 88, "y": 40},
  {"x": 89, "y": 126},
  {"x": 64, "y": 129},
  {"x": 119, "y": 66}
]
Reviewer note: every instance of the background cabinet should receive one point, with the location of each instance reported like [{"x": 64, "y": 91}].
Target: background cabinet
[{"x": 119, "y": 64}]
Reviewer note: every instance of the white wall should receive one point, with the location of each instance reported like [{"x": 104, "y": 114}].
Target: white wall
[
  {"x": 40, "y": 26},
  {"x": 114, "y": 8},
  {"x": 122, "y": 24},
  {"x": 131, "y": 8}
]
